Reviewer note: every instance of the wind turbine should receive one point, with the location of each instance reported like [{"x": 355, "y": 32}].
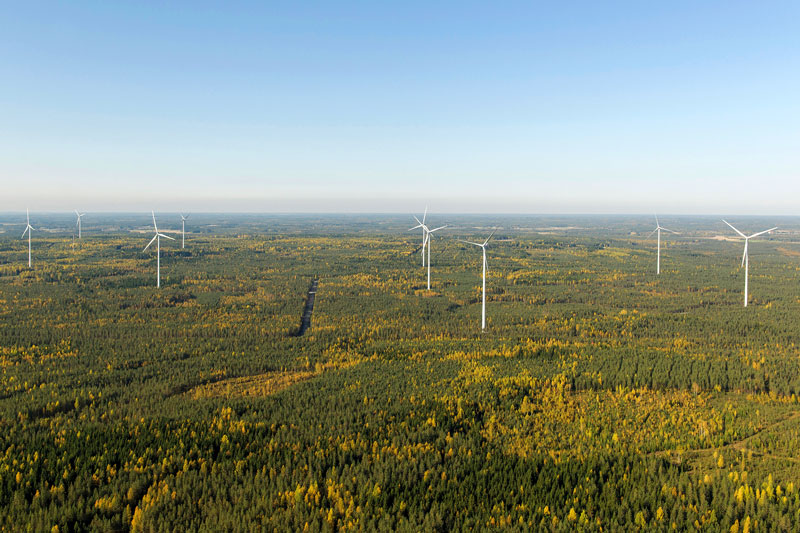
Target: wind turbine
[
  {"x": 428, "y": 242},
  {"x": 157, "y": 239},
  {"x": 658, "y": 230},
  {"x": 183, "y": 230},
  {"x": 28, "y": 230},
  {"x": 746, "y": 256},
  {"x": 79, "y": 222},
  {"x": 483, "y": 305},
  {"x": 424, "y": 231}
]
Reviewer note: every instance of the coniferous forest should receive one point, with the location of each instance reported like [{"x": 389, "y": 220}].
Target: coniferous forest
[{"x": 601, "y": 397}]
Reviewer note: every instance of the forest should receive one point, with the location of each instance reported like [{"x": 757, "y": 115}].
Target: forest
[{"x": 600, "y": 397}]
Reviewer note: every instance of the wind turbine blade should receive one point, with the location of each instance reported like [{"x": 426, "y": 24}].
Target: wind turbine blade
[
  {"x": 470, "y": 242},
  {"x": 669, "y": 230},
  {"x": 154, "y": 221},
  {"x": 489, "y": 237},
  {"x": 151, "y": 242},
  {"x": 651, "y": 233},
  {"x": 26, "y": 231},
  {"x": 437, "y": 229},
  {"x": 657, "y": 224},
  {"x": 166, "y": 236},
  {"x": 28, "y": 216},
  {"x": 415, "y": 227},
  {"x": 744, "y": 255},
  {"x": 424, "y": 215},
  {"x": 734, "y": 229},
  {"x": 762, "y": 232}
]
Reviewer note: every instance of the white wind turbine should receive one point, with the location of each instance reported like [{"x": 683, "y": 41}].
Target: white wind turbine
[
  {"x": 157, "y": 239},
  {"x": 658, "y": 230},
  {"x": 183, "y": 230},
  {"x": 79, "y": 222},
  {"x": 28, "y": 230},
  {"x": 428, "y": 243},
  {"x": 483, "y": 305},
  {"x": 746, "y": 255},
  {"x": 424, "y": 232}
]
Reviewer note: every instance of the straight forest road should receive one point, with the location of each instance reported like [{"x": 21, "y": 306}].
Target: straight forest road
[{"x": 305, "y": 322}]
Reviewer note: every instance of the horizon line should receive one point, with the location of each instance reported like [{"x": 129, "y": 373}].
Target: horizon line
[{"x": 396, "y": 213}]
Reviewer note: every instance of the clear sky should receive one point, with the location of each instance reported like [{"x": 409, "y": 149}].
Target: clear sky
[{"x": 526, "y": 107}]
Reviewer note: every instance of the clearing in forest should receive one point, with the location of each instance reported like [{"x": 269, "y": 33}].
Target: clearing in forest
[{"x": 250, "y": 386}]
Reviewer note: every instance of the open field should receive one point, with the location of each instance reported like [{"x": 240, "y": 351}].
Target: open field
[{"x": 600, "y": 395}]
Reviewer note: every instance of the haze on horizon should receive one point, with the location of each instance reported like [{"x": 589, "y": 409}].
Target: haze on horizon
[{"x": 617, "y": 107}]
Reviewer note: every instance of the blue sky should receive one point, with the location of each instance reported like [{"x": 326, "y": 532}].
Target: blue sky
[{"x": 587, "y": 107}]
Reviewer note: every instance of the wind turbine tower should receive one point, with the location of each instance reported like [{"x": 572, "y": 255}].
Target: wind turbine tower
[
  {"x": 658, "y": 230},
  {"x": 183, "y": 230},
  {"x": 483, "y": 304},
  {"x": 428, "y": 238},
  {"x": 426, "y": 241},
  {"x": 79, "y": 222},
  {"x": 157, "y": 239},
  {"x": 28, "y": 230},
  {"x": 424, "y": 232},
  {"x": 746, "y": 255}
]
